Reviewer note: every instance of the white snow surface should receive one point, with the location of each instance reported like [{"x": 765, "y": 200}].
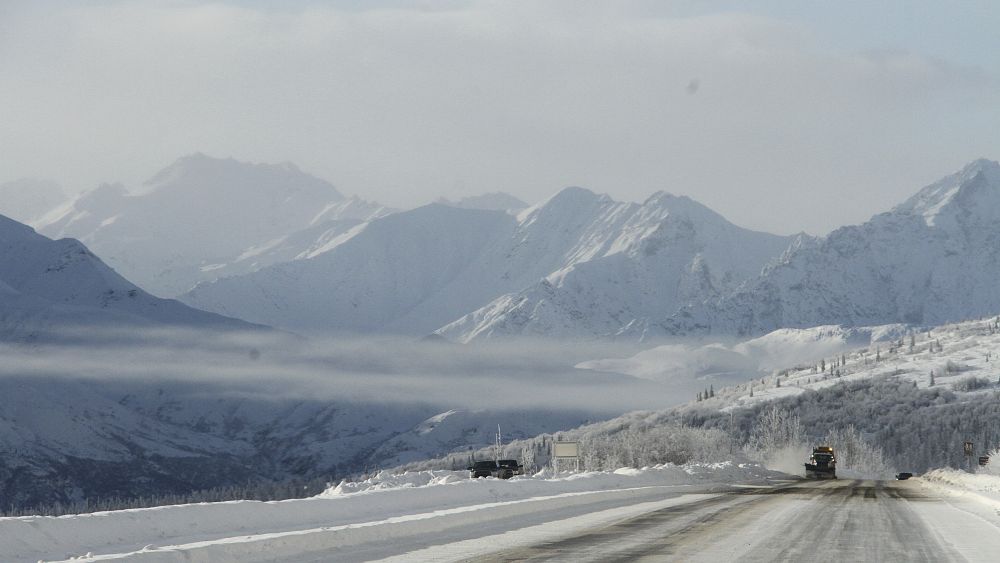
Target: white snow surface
[{"x": 387, "y": 509}]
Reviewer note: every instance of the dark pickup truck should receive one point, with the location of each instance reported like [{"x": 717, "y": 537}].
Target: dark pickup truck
[
  {"x": 503, "y": 469},
  {"x": 483, "y": 469},
  {"x": 507, "y": 468}
]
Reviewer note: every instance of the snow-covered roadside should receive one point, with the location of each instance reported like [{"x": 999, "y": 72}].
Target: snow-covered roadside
[
  {"x": 371, "y": 511},
  {"x": 968, "y": 517},
  {"x": 984, "y": 488}
]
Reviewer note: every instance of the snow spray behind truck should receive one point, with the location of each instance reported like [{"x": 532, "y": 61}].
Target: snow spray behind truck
[{"x": 822, "y": 464}]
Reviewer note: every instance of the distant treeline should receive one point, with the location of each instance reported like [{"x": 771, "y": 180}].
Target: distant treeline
[
  {"x": 250, "y": 491},
  {"x": 884, "y": 423}
]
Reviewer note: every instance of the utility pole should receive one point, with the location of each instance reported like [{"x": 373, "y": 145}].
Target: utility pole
[
  {"x": 499, "y": 445},
  {"x": 732, "y": 434}
]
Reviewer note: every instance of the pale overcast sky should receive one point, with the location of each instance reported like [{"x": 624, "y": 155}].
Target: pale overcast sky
[{"x": 789, "y": 116}]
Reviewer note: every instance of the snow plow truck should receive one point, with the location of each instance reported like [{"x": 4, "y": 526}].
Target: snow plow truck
[{"x": 822, "y": 464}]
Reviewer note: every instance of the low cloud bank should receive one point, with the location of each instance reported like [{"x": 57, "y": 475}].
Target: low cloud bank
[{"x": 510, "y": 375}]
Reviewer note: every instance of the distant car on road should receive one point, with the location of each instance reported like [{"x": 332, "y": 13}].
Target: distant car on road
[{"x": 903, "y": 476}]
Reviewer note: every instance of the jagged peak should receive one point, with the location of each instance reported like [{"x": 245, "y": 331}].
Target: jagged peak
[{"x": 980, "y": 176}]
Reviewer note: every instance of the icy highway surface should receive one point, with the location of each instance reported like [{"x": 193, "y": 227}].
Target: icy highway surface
[
  {"x": 665, "y": 513},
  {"x": 842, "y": 520}
]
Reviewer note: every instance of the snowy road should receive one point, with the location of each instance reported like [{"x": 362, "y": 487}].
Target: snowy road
[
  {"x": 841, "y": 520},
  {"x": 659, "y": 514}
]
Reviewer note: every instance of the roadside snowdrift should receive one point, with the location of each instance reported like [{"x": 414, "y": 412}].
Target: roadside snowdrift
[{"x": 982, "y": 487}]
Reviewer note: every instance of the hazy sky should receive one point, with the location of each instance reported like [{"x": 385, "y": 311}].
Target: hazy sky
[{"x": 795, "y": 115}]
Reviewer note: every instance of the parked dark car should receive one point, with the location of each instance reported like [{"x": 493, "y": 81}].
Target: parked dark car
[
  {"x": 483, "y": 469},
  {"x": 903, "y": 476}
]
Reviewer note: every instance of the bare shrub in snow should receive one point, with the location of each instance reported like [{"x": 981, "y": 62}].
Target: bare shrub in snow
[
  {"x": 955, "y": 367},
  {"x": 645, "y": 445},
  {"x": 970, "y": 383}
]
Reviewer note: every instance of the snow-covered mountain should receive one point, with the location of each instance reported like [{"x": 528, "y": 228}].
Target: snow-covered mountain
[
  {"x": 409, "y": 272},
  {"x": 202, "y": 217},
  {"x": 495, "y": 201},
  {"x": 584, "y": 264},
  {"x": 632, "y": 266},
  {"x": 46, "y": 285},
  {"x": 28, "y": 199},
  {"x": 931, "y": 259}
]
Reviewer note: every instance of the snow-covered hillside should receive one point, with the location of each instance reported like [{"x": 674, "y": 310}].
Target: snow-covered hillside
[
  {"x": 49, "y": 286},
  {"x": 932, "y": 259},
  {"x": 719, "y": 363},
  {"x": 27, "y": 199},
  {"x": 202, "y": 217},
  {"x": 583, "y": 263}
]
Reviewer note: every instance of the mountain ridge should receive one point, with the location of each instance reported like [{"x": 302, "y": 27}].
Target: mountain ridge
[{"x": 929, "y": 260}]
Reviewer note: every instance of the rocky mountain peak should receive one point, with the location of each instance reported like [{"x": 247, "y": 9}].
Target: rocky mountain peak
[{"x": 974, "y": 190}]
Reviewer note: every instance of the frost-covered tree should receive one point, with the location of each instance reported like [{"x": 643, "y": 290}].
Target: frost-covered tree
[
  {"x": 857, "y": 455},
  {"x": 774, "y": 430}
]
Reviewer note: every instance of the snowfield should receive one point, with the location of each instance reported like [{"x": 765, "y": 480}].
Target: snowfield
[{"x": 384, "y": 516}]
